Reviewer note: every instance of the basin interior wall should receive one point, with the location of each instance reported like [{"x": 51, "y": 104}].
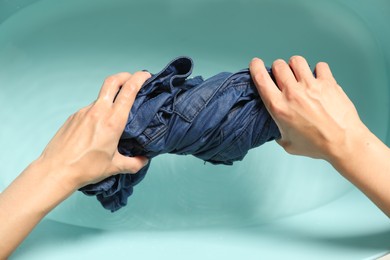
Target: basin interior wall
[{"x": 54, "y": 56}]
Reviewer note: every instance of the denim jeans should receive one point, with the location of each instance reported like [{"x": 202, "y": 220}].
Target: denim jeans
[{"x": 217, "y": 120}]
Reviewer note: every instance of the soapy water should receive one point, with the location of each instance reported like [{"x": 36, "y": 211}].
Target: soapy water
[{"x": 55, "y": 63}]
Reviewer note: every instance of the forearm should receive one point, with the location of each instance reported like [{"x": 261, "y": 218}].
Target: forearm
[
  {"x": 364, "y": 161},
  {"x": 83, "y": 151},
  {"x": 26, "y": 201}
]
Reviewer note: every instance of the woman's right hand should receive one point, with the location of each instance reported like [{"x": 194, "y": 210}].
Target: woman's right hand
[
  {"x": 314, "y": 115},
  {"x": 317, "y": 119}
]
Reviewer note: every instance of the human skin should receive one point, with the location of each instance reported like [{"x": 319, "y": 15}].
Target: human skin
[
  {"x": 318, "y": 120},
  {"x": 83, "y": 151}
]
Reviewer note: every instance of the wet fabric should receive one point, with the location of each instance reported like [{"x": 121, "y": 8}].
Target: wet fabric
[{"x": 217, "y": 120}]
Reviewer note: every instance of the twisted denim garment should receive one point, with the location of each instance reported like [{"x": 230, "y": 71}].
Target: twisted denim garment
[{"x": 217, "y": 120}]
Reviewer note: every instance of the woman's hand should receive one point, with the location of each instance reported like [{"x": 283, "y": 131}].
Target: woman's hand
[
  {"x": 317, "y": 119},
  {"x": 314, "y": 115},
  {"x": 83, "y": 151},
  {"x": 87, "y": 142}
]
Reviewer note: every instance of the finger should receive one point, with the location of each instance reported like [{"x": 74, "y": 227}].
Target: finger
[
  {"x": 323, "y": 71},
  {"x": 266, "y": 87},
  {"x": 111, "y": 86},
  {"x": 301, "y": 69},
  {"x": 129, "y": 90},
  {"x": 127, "y": 164},
  {"x": 283, "y": 74}
]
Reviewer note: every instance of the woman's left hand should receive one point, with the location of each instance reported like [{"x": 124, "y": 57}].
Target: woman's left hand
[
  {"x": 83, "y": 151},
  {"x": 87, "y": 143}
]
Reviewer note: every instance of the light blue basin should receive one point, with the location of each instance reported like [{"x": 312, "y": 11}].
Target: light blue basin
[{"x": 54, "y": 56}]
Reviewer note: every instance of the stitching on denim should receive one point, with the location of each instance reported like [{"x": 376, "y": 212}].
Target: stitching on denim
[
  {"x": 204, "y": 105},
  {"x": 153, "y": 98},
  {"x": 260, "y": 133},
  {"x": 233, "y": 144},
  {"x": 219, "y": 91},
  {"x": 157, "y": 135},
  {"x": 155, "y": 76},
  {"x": 225, "y": 89},
  {"x": 162, "y": 125}
]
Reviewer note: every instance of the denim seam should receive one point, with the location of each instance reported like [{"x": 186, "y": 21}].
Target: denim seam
[
  {"x": 161, "y": 130},
  {"x": 258, "y": 137},
  {"x": 201, "y": 108},
  {"x": 149, "y": 100},
  {"x": 245, "y": 127},
  {"x": 155, "y": 136},
  {"x": 223, "y": 86},
  {"x": 234, "y": 142},
  {"x": 154, "y": 76}
]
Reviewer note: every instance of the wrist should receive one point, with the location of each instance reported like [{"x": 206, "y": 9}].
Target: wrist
[
  {"x": 53, "y": 184},
  {"x": 59, "y": 175},
  {"x": 364, "y": 161},
  {"x": 351, "y": 146},
  {"x": 35, "y": 192}
]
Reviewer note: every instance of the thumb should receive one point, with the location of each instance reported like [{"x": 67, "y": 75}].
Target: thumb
[{"x": 129, "y": 164}]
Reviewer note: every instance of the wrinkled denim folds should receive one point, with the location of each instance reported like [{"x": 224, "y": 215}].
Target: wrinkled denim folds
[{"x": 217, "y": 120}]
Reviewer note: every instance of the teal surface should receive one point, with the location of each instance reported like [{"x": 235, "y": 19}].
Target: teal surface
[
  {"x": 54, "y": 56},
  {"x": 348, "y": 228}
]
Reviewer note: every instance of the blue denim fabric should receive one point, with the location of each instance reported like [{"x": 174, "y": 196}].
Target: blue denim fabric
[{"x": 217, "y": 120}]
